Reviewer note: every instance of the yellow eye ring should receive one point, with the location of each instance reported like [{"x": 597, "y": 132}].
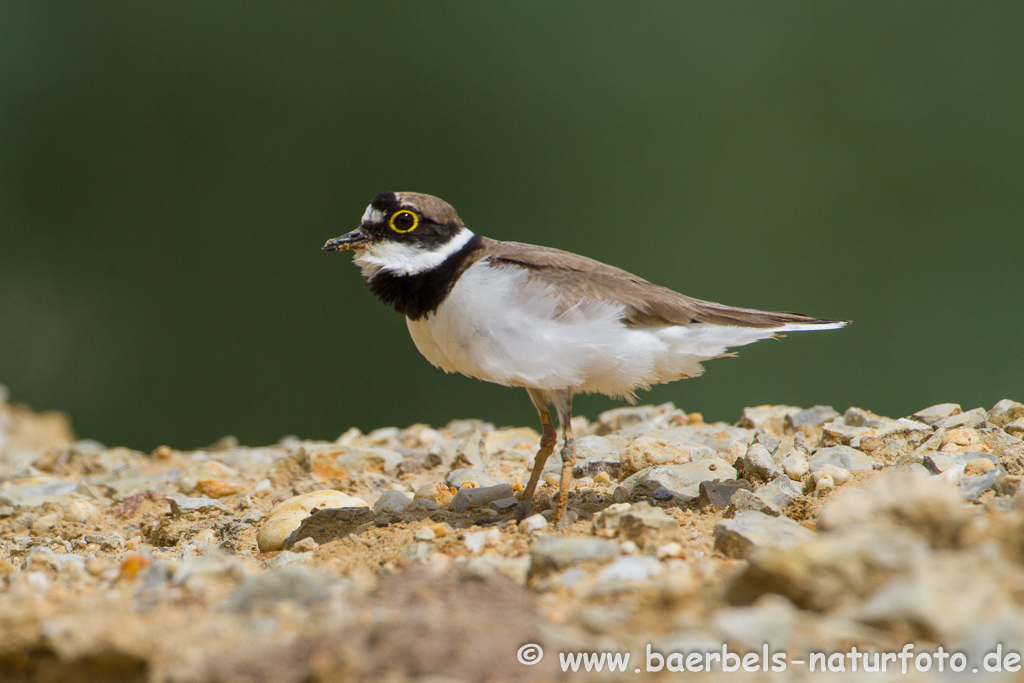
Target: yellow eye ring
[{"x": 403, "y": 217}]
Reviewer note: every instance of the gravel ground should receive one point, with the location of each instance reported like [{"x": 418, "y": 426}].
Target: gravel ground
[{"x": 800, "y": 533}]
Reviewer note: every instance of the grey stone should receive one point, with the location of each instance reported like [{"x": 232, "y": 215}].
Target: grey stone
[
  {"x": 622, "y": 419},
  {"x": 680, "y": 445},
  {"x": 739, "y": 536},
  {"x": 467, "y": 453},
  {"x": 328, "y": 524},
  {"x": 479, "y": 497},
  {"x": 768, "y": 442},
  {"x": 757, "y": 463},
  {"x": 631, "y": 521},
  {"x": 504, "y": 505},
  {"x": 391, "y": 502},
  {"x": 269, "y": 589},
  {"x": 933, "y": 414},
  {"x": 31, "y": 495},
  {"x": 800, "y": 443},
  {"x": 664, "y": 494},
  {"x": 937, "y": 462},
  {"x": 1015, "y": 428},
  {"x": 770, "y": 419},
  {"x": 972, "y": 418},
  {"x": 725, "y": 440},
  {"x": 599, "y": 454},
  {"x": 558, "y": 552},
  {"x": 681, "y": 482},
  {"x": 779, "y": 493},
  {"x": 432, "y": 459},
  {"x": 811, "y": 417},
  {"x": 182, "y": 504},
  {"x": 841, "y": 456},
  {"x": 858, "y": 417},
  {"x": 972, "y": 488},
  {"x": 1006, "y": 412},
  {"x": 747, "y": 501},
  {"x": 422, "y": 504},
  {"x": 902, "y": 426},
  {"x": 719, "y": 493},
  {"x": 834, "y": 433},
  {"x": 1006, "y": 447},
  {"x": 456, "y": 478},
  {"x": 461, "y": 428},
  {"x": 123, "y": 488}
]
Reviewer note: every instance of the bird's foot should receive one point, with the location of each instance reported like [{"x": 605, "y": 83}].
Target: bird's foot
[
  {"x": 566, "y": 520},
  {"x": 500, "y": 520},
  {"x": 521, "y": 512}
]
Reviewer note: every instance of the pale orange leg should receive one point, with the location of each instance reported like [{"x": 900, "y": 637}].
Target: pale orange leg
[
  {"x": 563, "y": 403},
  {"x": 548, "y": 439}
]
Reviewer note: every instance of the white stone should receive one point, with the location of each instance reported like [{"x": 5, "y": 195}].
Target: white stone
[
  {"x": 795, "y": 466},
  {"x": 533, "y": 523}
]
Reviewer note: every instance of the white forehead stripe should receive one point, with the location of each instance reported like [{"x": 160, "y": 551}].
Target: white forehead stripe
[
  {"x": 401, "y": 258},
  {"x": 372, "y": 215}
]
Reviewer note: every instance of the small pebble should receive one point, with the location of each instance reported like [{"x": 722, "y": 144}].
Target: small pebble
[
  {"x": 667, "y": 550},
  {"x": 476, "y": 540},
  {"x": 304, "y": 545},
  {"x": 978, "y": 466},
  {"x": 795, "y": 466},
  {"x": 839, "y": 475},
  {"x": 533, "y": 523}
]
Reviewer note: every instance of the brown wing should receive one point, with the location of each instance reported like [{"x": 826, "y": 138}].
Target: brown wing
[{"x": 579, "y": 278}]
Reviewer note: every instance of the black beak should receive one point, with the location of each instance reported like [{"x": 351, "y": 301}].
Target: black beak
[{"x": 354, "y": 239}]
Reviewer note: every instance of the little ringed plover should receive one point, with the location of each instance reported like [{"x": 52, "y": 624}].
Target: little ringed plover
[{"x": 550, "y": 321}]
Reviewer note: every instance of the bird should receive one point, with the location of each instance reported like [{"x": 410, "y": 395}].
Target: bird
[{"x": 553, "y": 322}]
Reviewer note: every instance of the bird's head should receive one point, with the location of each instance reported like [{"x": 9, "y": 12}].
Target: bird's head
[
  {"x": 404, "y": 233},
  {"x": 406, "y": 218}
]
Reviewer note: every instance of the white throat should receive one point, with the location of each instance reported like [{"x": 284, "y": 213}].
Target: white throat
[{"x": 408, "y": 259}]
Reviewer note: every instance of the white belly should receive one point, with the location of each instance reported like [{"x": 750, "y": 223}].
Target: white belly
[{"x": 498, "y": 325}]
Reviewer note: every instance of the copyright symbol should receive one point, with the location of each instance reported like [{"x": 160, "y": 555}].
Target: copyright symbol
[{"x": 529, "y": 654}]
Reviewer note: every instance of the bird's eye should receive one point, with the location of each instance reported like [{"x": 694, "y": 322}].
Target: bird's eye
[{"x": 404, "y": 221}]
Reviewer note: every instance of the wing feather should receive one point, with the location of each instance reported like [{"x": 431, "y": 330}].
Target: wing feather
[{"x": 578, "y": 278}]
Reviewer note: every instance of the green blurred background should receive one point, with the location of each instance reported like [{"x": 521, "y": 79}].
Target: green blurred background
[{"x": 169, "y": 172}]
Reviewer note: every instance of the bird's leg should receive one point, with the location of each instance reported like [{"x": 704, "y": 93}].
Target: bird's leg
[
  {"x": 563, "y": 404},
  {"x": 548, "y": 439}
]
